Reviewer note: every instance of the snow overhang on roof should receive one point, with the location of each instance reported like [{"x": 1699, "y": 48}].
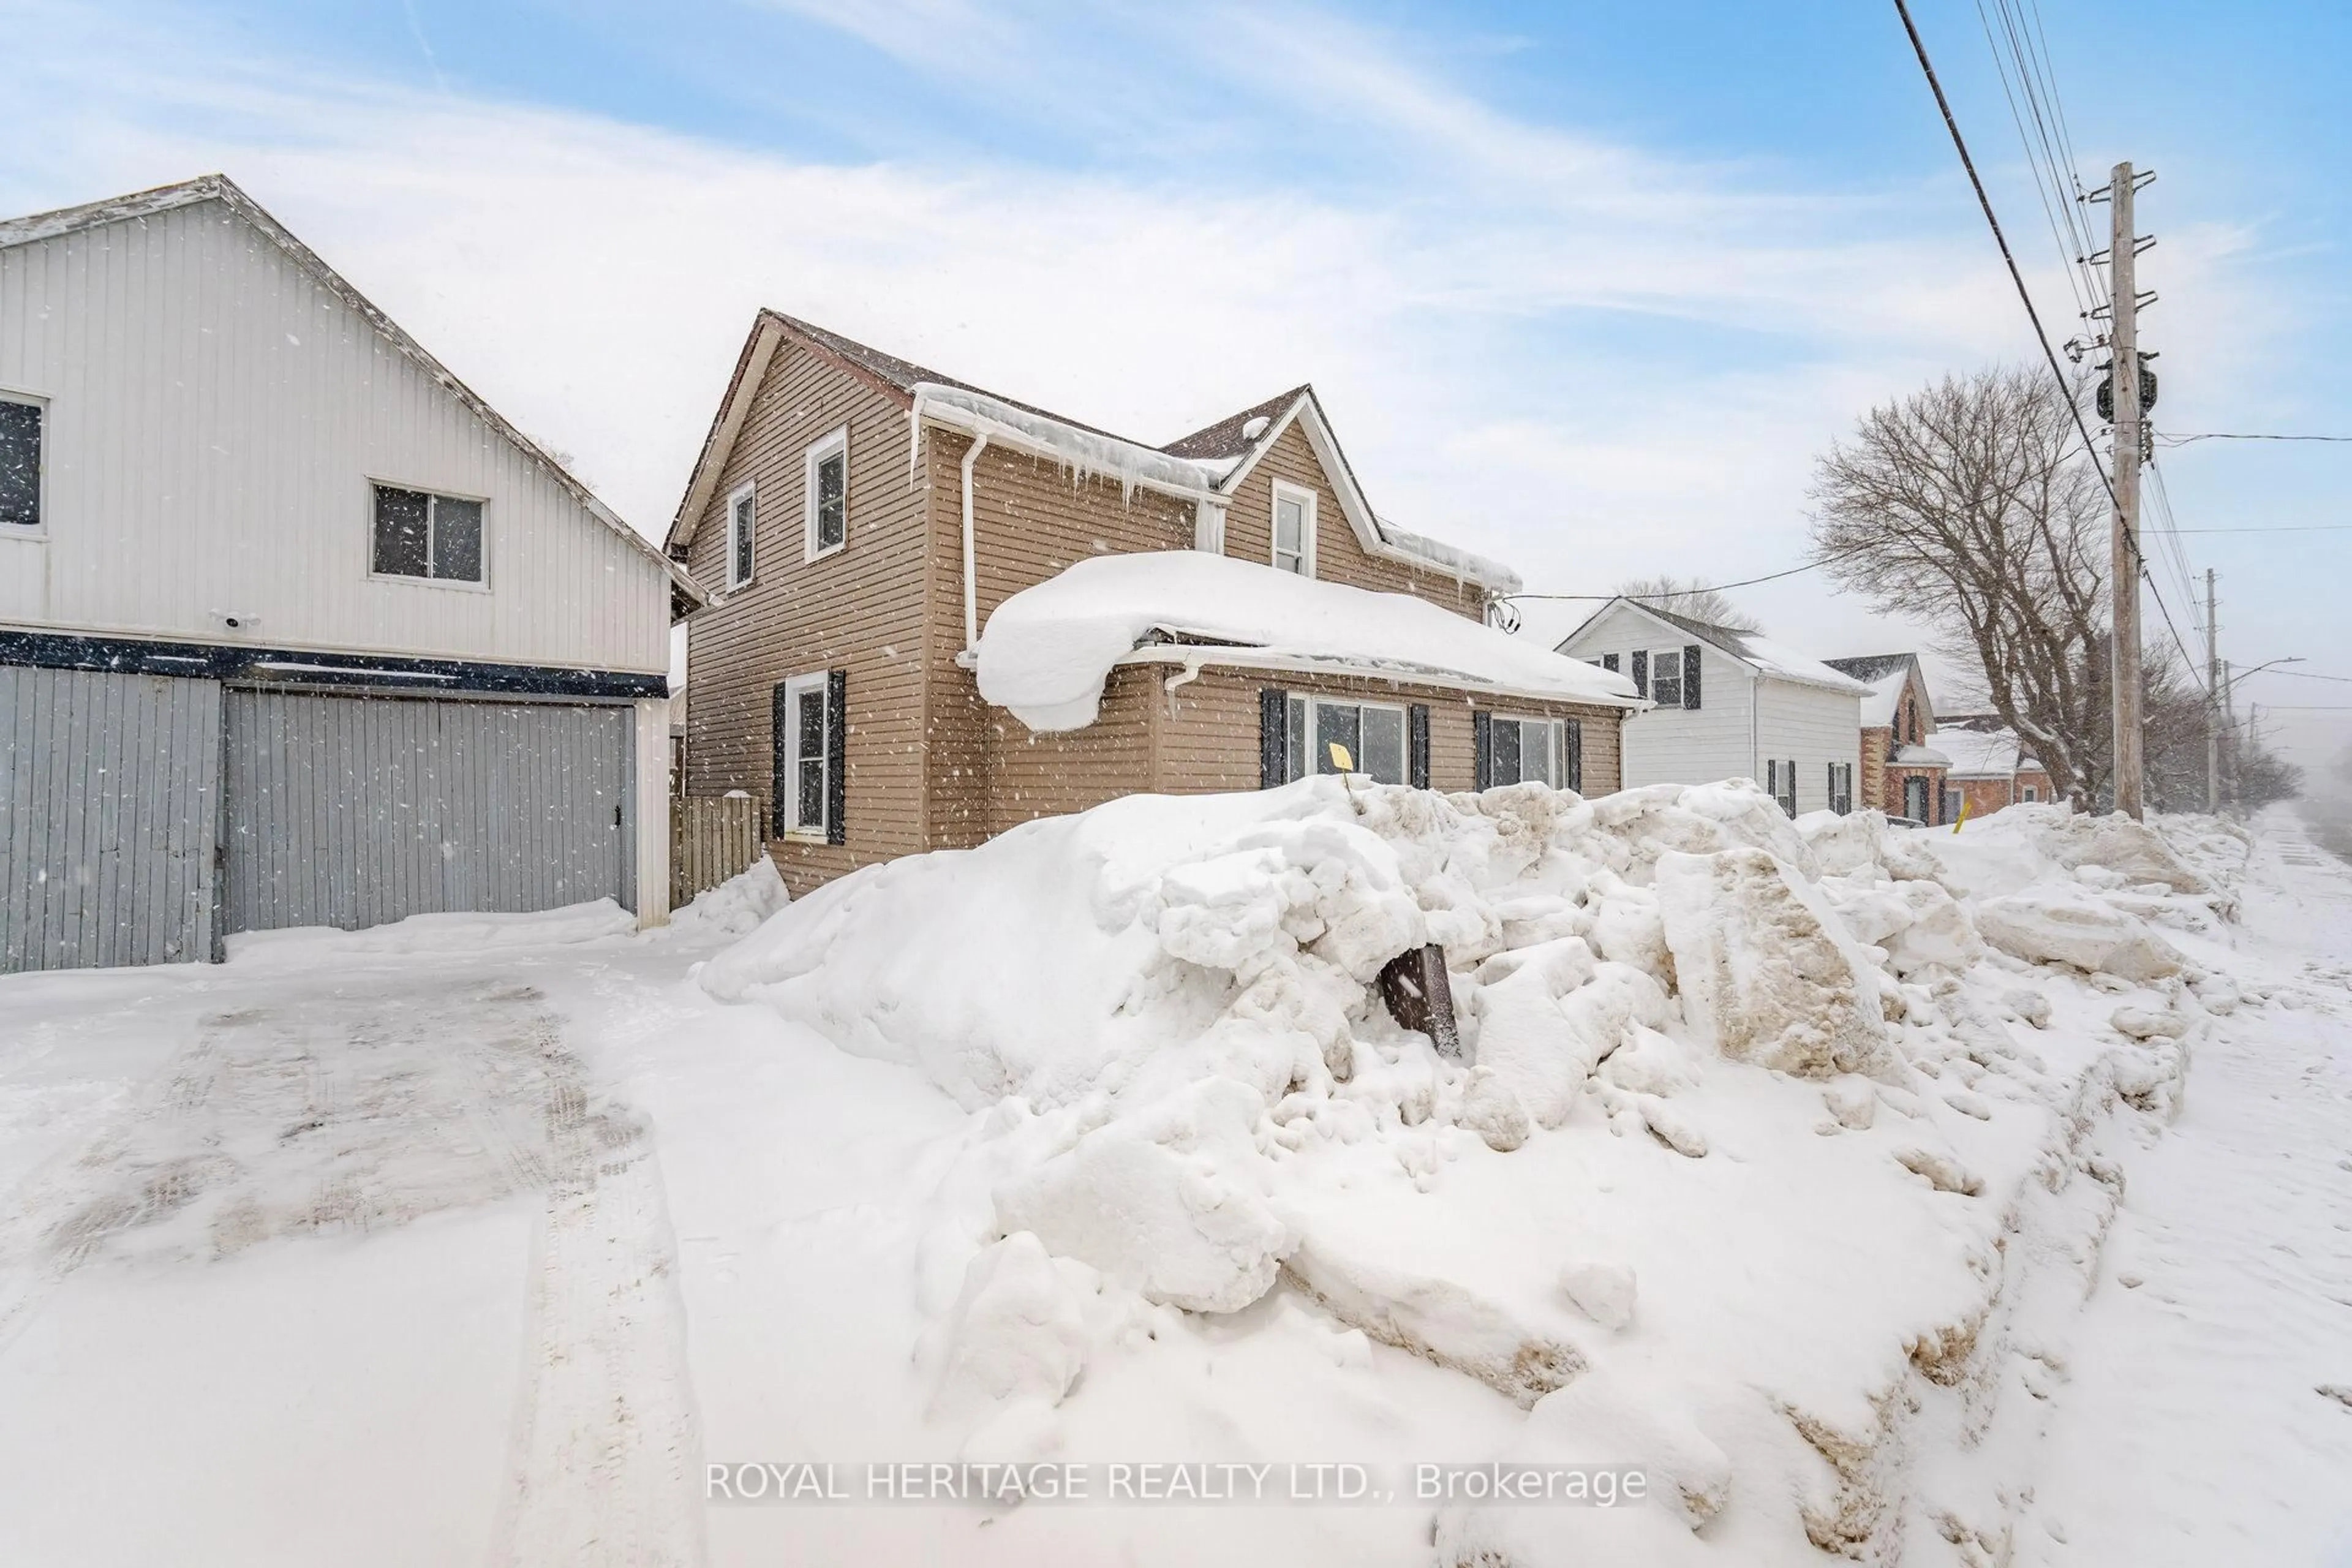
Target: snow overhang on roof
[
  {"x": 1920, "y": 757},
  {"x": 1047, "y": 650},
  {"x": 685, "y": 596}
]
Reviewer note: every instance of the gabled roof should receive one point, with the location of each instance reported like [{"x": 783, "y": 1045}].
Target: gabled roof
[
  {"x": 1760, "y": 653},
  {"x": 1231, "y": 436},
  {"x": 1886, "y": 674},
  {"x": 1208, "y": 465},
  {"x": 221, "y": 189}
]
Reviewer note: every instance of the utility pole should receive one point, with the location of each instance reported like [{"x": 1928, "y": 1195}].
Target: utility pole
[
  {"x": 2124, "y": 372},
  {"x": 2213, "y": 701}
]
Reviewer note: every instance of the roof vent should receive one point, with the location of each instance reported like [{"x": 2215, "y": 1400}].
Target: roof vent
[{"x": 1255, "y": 427}]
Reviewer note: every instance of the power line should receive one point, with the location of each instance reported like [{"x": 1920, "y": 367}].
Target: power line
[
  {"x": 2282, "y": 528},
  {"x": 2171, "y": 440},
  {"x": 2066, "y": 387},
  {"x": 2299, "y": 675},
  {"x": 2187, "y": 660},
  {"x": 1717, "y": 588}
]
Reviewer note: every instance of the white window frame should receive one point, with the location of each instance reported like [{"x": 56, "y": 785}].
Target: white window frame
[
  {"x": 1310, "y": 753},
  {"x": 821, "y": 683},
  {"x": 432, "y": 494},
  {"x": 836, "y": 442},
  {"x": 1284, "y": 491},
  {"x": 1841, "y": 788},
  {"x": 1676, "y": 655},
  {"x": 40, "y": 530},
  {"x": 747, "y": 491},
  {"x": 1556, "y": 731},
  {"x": 2033, "y": 795}
]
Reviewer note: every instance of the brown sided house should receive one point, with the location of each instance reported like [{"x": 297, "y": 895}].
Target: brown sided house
[{"x": 858, "y": 521}]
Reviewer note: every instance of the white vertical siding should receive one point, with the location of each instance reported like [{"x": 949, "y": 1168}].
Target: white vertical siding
[
  {"x": 1813, "y": 728},
  {"x": 215, "y": 415},
  {"x": 1677, "y": 745}
]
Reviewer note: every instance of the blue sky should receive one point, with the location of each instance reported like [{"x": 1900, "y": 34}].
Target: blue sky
[{"x": 1585, "y": 286}]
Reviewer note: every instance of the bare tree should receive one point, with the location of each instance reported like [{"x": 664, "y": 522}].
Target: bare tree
[
  {"x": 1676, "y": 596},
  {"x": 1972, "y": 508}
]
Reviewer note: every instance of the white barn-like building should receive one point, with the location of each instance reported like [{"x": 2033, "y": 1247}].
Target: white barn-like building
[
  {"x": 295, "y": 629},
  {"x": 1729, "y": 704}
]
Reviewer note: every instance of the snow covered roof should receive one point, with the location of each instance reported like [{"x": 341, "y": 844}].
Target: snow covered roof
[
  {"x": 1773, "y": 659},
  {"x": 1209, "y": 464},
  {"x": 1991, "y": 751},
  {"x": 1920, "y": 757},
  {"x": 220, "y": 188},
  {"x": 1886, "y": 674},
  {"x": 1047, "y": 650}
]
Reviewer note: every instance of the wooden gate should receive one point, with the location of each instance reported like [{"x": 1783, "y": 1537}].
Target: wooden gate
[{"x": 711, "y": 838}]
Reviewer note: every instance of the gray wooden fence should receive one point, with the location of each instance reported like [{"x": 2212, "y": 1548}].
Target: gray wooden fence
[{"x": 711, "y": 838}]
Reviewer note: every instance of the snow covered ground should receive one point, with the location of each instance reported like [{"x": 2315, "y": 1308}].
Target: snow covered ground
[{"x": 1772, "y": 1170}]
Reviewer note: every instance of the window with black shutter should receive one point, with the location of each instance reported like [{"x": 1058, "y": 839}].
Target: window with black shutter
[
  {"x": 1272, "y": 737},
  {"x": 1641, "y": 672},
  {"x": 1481, "y": 741},
  {"x": 1575, "y": 779},
  {"x": 1417, "y": 745},
  {"x": 1690, "y": 676},
  {"x": 811, "y": 756},
  {"x": 1609, "y": 662}
]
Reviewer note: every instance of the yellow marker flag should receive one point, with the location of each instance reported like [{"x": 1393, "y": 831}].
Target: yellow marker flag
[
  {"x": 1962, "y": 819},
  {"x": 1340, "y": 759}
]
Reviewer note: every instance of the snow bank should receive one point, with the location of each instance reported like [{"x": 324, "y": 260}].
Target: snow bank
[
  {"x": 299, "y": 946},
  {"x": 1804, "y": 1081},
  {"x": 1047, "y": 651}
]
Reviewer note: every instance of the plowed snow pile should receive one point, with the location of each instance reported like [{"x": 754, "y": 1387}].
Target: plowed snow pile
[{"x": 1772, "y": 1152}]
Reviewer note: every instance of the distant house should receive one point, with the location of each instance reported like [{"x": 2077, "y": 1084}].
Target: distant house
[
  {"x": 1903, "y": 772},
  {"x": 863, "y": 523},
  {"x": 1729, "y": 704},
  {"x": 1991, "y": 768},
  {"x": 295, "y": 629}
]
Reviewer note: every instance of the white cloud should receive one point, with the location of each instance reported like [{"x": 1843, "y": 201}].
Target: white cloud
[{"x": 1588, "y": 360}]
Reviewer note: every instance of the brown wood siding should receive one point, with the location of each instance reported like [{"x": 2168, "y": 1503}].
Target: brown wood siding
[
  {"x": 1340, "y": 555},
  {"x": 1032, "y": 518},
  {"x": 858, "y": 610},
  {"x": 1033, "y": 775},
  {"x": 1211, "y": 742}
]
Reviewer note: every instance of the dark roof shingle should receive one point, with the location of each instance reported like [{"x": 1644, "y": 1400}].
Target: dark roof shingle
[{"x": 1227, "y": 438}]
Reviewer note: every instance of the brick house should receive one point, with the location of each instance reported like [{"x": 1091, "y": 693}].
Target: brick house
[
  {"x": 1903, "y": 775},
  {"x": 858, "y": 519},
  {"x": 1991, "y": 767}
]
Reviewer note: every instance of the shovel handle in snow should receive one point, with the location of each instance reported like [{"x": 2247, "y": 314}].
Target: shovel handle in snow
[{"x": 1962, "y": 820}]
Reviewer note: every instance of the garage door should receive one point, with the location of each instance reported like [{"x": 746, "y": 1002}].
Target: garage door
[
  {"x": 352, "y": 811},
  {"x": 109, "y": 801}
]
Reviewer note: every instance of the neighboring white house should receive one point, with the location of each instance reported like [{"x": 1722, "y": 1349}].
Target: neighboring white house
[
  {"x": 1730, "y": 704},
  {"x": 294, "y": 628}
]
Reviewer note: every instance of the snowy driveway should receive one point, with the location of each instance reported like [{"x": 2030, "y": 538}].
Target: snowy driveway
[
  {"x": 370, "y": 1251},
  {"x": 335, "y": 1256}
]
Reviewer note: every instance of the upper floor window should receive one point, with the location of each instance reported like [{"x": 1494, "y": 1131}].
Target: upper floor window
[
  {"x": 1666, "y": 678},
  {"x": 421, "y": 535},
  {"x": 825, "y": 505},
  {"x": 1294, "y": 529},
  {"x": 20, "y": 461},
  {"x": 742, "y": 520}
]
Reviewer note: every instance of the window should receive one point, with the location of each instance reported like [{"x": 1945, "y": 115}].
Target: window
[
  {"x": 1294, "y": 529},
  {"x": 743, "y": 526},
  {"x": 2033, "y": 793},
  {"x": 1841, "y": 787},
  {"x": 1666, "y": 678},
  {"x": 1374, "y": 734},
  {"x": 1781, "y": 782},
  {"x": 1524, "y": 750},
  {"x": 419, "y": 534},
  {"x": 809, "y": 735},
  {"x": 21, "y": 419},
  {"x": 824, "y": 502}
]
